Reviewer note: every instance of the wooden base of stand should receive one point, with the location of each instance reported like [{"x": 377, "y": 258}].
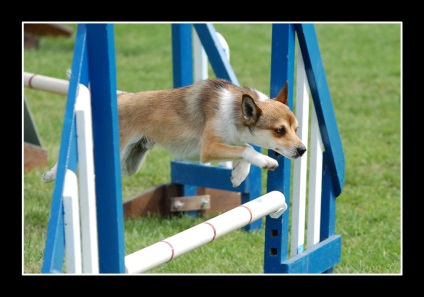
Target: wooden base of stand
[
  {"x": 161, "y": 200},
  {"x": 34, "y": 156}
]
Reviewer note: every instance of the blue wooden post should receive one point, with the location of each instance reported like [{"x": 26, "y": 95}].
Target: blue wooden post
[
  {"x": 182, "y": 61},
  {"x": 102, "y": 67},
  {"x": 182, "y": 57},
  {"x": 328, "y": 207},
  {"x": 282, "y": 70}
]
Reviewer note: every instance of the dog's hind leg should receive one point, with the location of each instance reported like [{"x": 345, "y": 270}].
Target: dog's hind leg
[
  {"x": 50, "y": 175},
  {"x": 134, "y": 154}
]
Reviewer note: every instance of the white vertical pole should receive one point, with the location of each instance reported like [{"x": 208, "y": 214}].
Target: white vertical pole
[
  {"x": 72, "y": 223},
  {"x": 300, "y": 165},
  {"x": 315, "y": 181},
  {"x": 200, "y": 59},
  {"x": 87, "y": 181},
  {"x": 224, "y": 44}
]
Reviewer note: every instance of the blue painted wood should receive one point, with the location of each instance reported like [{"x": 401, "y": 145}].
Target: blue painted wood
[
  {"x": 188, "y": 173},
  {"x": 317, "y": 80},
  {"x": 254, "y": 183},
  {"x": 328, "y": 205},
  {"x": 54, "y": 250},
  {"x": 205, "y": 176},
  {"x": 182, "y": 59},
  {"x": 282, "y": 70},
  {"x": 214, "y": 177},
  {"x": 316, "y": 259},
  {"x": 328, "y": 202},
  {"x": 102, "y": 72},
  {"x": 216, "y": 54},
  {"x": 182, "y": 54},
  {"x": 189, "y": 190}
]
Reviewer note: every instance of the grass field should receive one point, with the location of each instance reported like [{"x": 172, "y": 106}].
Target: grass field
[{"x": 363, "y": 68}]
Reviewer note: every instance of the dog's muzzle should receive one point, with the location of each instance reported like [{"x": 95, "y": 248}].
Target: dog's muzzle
[{"x": 300, "y": 150}]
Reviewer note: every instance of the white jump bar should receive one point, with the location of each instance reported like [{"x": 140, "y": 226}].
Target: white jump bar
[
  {"x": 272, "y": 203},
  {"x": 49, "y": 84}
]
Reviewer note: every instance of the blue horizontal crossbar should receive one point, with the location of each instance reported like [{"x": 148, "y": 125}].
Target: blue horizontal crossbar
[
  {"x": 317, "y": 259},
  {"x": 188, "y": 173}
]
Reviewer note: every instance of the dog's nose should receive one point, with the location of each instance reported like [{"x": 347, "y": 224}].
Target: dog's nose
[{"x": 301, "y": 150}]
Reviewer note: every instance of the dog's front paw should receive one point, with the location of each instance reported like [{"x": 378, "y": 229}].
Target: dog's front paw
[
  {"x": 265, "y": 162},
  {"x": 259, "y": 159},
  {"x": 241, "y": 170}
]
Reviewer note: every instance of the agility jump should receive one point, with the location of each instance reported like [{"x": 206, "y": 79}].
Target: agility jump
[
  {"x": 326, "y": 248},
  {"x": 272, "y": 203}
]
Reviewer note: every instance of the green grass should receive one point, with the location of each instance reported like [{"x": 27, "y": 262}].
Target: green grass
[{"x": 363, "y": 69}]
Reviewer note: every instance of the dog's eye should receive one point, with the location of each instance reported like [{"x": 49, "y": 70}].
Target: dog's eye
[{"x": 280, "y": 131}]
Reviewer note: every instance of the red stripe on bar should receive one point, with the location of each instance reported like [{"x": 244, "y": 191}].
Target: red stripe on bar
[
  {"x": 250, "y": 212},
  {"x": 214, "y": 231},
  {"x": 30, "y": 79},
  {"x": 172, "y": 248}
]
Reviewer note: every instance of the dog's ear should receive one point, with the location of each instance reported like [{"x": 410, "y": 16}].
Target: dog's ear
[
  {"x": 283, "y": 95},
  {"x": 251, "y": 112}
]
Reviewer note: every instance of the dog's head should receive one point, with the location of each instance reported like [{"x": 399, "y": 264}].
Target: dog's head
[{"x": 272, "y": 124}]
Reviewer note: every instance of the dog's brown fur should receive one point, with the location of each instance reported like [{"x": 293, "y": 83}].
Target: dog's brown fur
[{"x": 210, "y": 120}]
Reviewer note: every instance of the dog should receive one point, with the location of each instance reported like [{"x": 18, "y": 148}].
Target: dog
[{"x": 210, "y": 120}]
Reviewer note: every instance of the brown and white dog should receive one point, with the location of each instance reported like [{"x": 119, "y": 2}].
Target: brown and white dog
[{"x": 210, "y": 120}]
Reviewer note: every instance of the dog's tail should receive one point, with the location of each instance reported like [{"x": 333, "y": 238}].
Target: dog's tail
[{"x": 132, "y": 158}]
